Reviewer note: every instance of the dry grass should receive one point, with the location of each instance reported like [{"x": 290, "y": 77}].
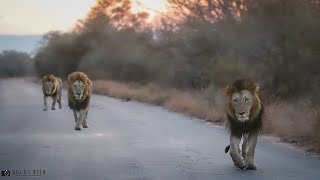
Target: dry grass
[
  {"x": 150, "y": 93},
  {"x": 172, "y": 99},
  {"x": 289, "y": 118},
  {"x": 295, "y": 122},
  {"x": 190, "y": 104}
]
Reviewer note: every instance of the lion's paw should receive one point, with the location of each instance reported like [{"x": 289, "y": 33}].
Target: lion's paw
[
  {"x": 85, "y": 126},
  {"x": 251, "y": 166},
  {"x": 240, "y": 165},
  {"x": 77, "y": 128},
  {"x": 53, "y": 108},
  {"x": 44, "y": 109}
]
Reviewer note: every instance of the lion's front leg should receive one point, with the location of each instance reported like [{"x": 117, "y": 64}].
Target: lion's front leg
[
  {"x": 76, "y": 119},
  {"x": 79, "y": 122},
  {"x": 60, "y": 93},
  {"x": 235, "y": 151},
  {"x": 75, "y": 116},
  {"x": 45, "y": 103},
  {"x": 54, "y": 100},
  {"x": 85, "y": 124},
  {"x": 60, "y": 103},
  {"x": 252, "y": 142},
  {"x": 244, "y": 146}
]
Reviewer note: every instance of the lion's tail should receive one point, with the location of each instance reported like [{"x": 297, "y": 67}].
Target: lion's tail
[{"x": 226, "y": 150}]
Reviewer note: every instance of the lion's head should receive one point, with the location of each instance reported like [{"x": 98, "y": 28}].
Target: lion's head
[
  {"x": 78, "y": 86},
  {"x": 243, "y": 102},
  {"x": 49, "y": 84},
  {"x": 77, "y": 89}
]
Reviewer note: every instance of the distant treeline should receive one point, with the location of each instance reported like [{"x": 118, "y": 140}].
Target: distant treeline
[
  {"x": 196, "y": 44},
  {"x": 15, "y": 64}
]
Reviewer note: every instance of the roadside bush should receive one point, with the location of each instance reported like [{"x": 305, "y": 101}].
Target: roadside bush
[{"x": 15, "y": 64}]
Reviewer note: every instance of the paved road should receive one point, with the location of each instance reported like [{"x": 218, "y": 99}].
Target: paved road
[{"x": 126, "y": 140}]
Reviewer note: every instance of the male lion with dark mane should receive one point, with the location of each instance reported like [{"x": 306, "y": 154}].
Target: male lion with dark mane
[
  {"x": 51, "y": 87},
  {"x": 244, "y": 111},
  {"x": 79, "y": 92}
]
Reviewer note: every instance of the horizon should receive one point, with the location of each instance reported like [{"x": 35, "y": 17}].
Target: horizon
[
  {"x": 42, "y": 16},
  {"x": 20, "y": 43}
]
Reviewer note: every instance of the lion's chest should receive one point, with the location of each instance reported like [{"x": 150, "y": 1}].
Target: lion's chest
[
  {"x": 79, "y": 105},
  {"x": 239, "y": 128}
]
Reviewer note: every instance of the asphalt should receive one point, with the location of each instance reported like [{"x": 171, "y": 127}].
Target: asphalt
[{"x": 125, "y": 140}]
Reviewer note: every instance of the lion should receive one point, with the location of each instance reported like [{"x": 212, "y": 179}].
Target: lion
[
  {"x": 79, "y": 92},
  {"x": 51, "y": 87},
  {"x": 244, "y": 112}
]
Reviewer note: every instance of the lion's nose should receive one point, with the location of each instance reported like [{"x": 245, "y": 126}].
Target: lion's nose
[
  {"x": 241, "y": 113},
  {"x": 79, "y": 94}
]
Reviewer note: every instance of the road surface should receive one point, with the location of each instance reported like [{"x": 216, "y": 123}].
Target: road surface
[{"x": 125, "y": 140}]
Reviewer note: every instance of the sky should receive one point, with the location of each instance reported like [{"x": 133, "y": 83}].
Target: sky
[
  {"x": 25, "y": 17},
  {"x": 36, "y": 17}
]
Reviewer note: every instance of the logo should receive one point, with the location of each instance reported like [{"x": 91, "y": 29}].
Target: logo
[
  {"x": 5, "y": 173},
  {"x": 34, "y": 173}
]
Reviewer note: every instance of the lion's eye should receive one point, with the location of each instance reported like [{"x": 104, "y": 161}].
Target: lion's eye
[
  {"x": 235, "y": 100},
  {"x": 246, "y": 99}
]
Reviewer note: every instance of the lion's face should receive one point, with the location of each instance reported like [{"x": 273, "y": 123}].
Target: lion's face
[
  {"x": 78, "y": 89},
  {"x": 242, "y": 102},
  {"x": 48, "y": 86}
]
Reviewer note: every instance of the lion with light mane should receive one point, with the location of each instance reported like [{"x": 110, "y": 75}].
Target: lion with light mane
[
  {"x": 79, "y": 92},
  {"x": 51, "y": 87},
  {"x": 244, "y": 112}
]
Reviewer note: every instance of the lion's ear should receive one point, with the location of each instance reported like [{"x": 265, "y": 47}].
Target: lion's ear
[
  {"x": 43, "y": 79},
  {"x": 256, "y": 88},
  {"x": 226, "y": 89}
]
